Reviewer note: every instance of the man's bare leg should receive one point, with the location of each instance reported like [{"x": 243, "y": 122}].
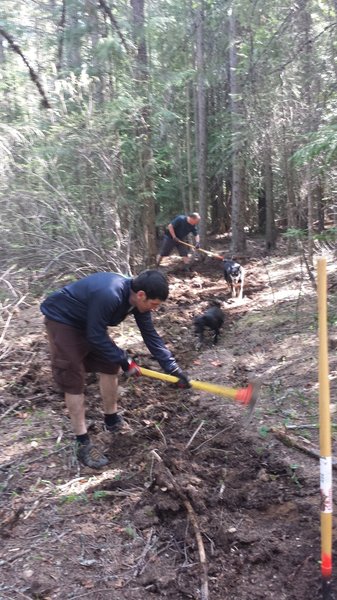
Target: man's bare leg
[
  {"x": 75, "y": 405},
  {"x": 86, "y": 453},
  {"x": 109, "y": 391},
  {"x": 108, "y": 385}
]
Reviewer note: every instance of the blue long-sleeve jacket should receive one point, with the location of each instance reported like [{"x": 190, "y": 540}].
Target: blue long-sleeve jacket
[
  {"x": 182, "y": 227},
  {"x": 99, "y": 301}
]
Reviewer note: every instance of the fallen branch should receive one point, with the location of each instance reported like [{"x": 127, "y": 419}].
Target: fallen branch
[
  {"x": 212, "y": 438},
  {"x": 194, "y": 521},
  {"x": 10, "y": 559},
  {"x": 118, "y": 493},
  {"x": 9, "y": 318},
  {"x": 194, "y": 434},
  {"x": 141, "y": 562},
  {"x": 11, "y": 409},
  {"x": 201, "y": 549},
  {"x": 161, "y": 433},
  {"x": 18, "y": 464},
  {"x": 304, "y": 426},
  {"x": 293, "y": 442},
  {"x": 23, "y": 401}
]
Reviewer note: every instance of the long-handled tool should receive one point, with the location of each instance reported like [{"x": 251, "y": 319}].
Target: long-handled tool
[
  {"x": 246, "y": 396},
  {"x": 326, "y": 484},
  {"x": 201, "y": 250}
]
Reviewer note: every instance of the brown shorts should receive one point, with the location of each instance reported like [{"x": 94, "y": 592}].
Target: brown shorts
[{"x": 72, "y": 357}]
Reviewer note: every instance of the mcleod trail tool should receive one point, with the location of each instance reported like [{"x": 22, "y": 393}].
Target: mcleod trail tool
[
  {"x": 246, "y": 396},
  {"x": 201, "y": 250}
]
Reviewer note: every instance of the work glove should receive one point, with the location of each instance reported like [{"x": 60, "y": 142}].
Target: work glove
[
  {"x": 197, "y": 246},
  {"x": 130, "y": 367},
  {"x": 183, "y": 382}
]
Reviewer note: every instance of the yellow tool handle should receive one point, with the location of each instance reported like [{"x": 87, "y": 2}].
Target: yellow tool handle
[
  {"x": 197, "y": 385},
  {"x": 214, "y": 389},
  {"x": 185, "y": 243},
  {"x": 201, "y": 250},
  {"x": 157, "y": 375}
]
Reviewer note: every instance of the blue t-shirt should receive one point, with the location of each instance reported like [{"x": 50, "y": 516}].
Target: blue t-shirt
[
  {"x": 182, "y": 227},
  {"x": 98, "y": 301}
]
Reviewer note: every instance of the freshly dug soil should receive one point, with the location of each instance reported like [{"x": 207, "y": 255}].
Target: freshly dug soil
[{"x": 245, "y": 494}]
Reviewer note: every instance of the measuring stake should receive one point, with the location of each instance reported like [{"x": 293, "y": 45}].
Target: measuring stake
[{"x": 324, "y": 434}]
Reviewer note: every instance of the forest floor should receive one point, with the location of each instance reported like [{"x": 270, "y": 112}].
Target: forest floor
[{"x": 245, "y": 494}]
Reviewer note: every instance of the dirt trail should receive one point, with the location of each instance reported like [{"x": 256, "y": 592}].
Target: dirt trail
[{"x": 125, "y": 534}]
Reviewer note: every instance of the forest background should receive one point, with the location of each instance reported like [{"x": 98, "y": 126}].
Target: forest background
[{"x": 117, "y": 116}]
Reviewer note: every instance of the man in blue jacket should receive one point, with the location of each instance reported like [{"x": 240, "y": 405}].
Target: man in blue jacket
[
  {"x": 77, "y": 318},
  {"x": 177, "y": 231}
]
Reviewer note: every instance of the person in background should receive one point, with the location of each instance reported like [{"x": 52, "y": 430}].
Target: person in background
[
  {"x": 77, "y": 318},
  {"x": 177, "y": 231}
]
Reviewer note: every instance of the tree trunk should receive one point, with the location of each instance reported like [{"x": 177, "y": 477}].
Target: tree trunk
[
  {"x": 262, "y": 211},
  {"x": 188, "y": 148},
  {"x": 181, "y": 179},
  {"x": 60, "y": 39},
  {"x": 73, "y": 39},
  {"x": 238, "y": 244},
  {"x": 268, "y": 187},
  {"x": 289, "y": 179},
  {"x": 218, "y": 205},
  {"x": 310, "y": 213},
  {"x": 201, "y": 122},
  {"x": 318, "y": 193},
  {"x": 305, "y": 24},
  {"x": 97, "y": 67},
  {"x": 144, "y": 134}
]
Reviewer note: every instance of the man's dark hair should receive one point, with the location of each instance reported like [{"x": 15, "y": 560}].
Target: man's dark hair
[{"x": 153, "y": 283}]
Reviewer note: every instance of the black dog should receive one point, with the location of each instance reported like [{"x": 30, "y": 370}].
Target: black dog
[
  {"x": 234, "y": 275},
  {"x": 212, "y": 318}
]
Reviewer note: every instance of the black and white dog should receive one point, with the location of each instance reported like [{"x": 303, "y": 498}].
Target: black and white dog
[
  {"x": 234, "y": 275},
  {"x": 213, "y": 318}
]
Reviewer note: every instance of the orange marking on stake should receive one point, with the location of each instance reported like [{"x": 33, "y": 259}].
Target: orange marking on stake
[{"x": 326, "y": 567}]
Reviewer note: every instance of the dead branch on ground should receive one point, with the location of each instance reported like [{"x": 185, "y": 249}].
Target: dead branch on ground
[
  {"x": 194, "y": 521},
  {"x": 293, "y": 442}
]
